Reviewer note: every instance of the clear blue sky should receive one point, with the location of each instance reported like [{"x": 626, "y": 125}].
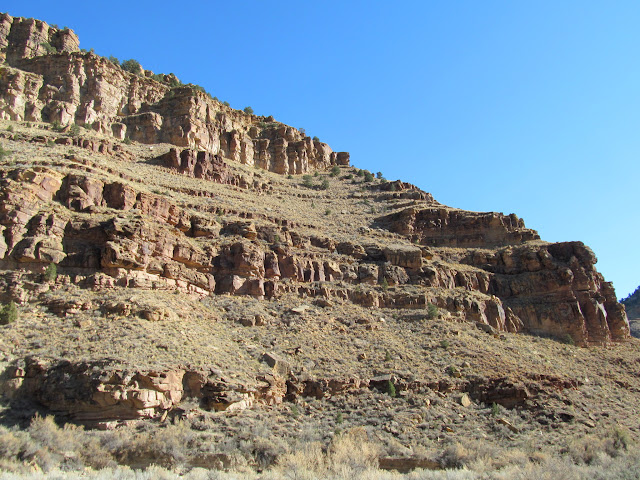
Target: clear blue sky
[{"x": 524, "y": 107}]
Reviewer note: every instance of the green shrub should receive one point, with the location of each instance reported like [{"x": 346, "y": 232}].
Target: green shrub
[
  {"x": 327, "y": 212},
  {"x": 307, "y": 181},
  {"x": 324, "y": 185},
  {"x": 349, "y": 177},
  {"x": 127, "y": 141},
  {"x": 226, "y": 104},
  {"x": 391, "y": 389},
  {"x": 379, "y": 175},
  {"x": 74, "y": 130},
  {"x": 9, "y": 313},
  {"x": 114, "y": 60},
  {"x": 10, "y": 128},
  {"x": 387, "y": 356},
  {"x": 51, "y": 143},
  {"x": 444, "y": 343},
  {"x": 248, "y": 110},
  {"x": 132, "y": 66},
  {"x": 335, "y": 171},
  {"x": 368, "y": 176},
  {"x": 453, "y": 371},
  {"x": 316, "y": 139},
  {"x": 3, "y": 152},
  {"x": 432, "y": 311},
  {"x": 360, "y": 173},
  {"x": 384, "y": 284},
  {"x": 51, "y": 273},
  {"x": 56, "y": 125},
  {"x": 495, "y": 409},
  {"x": 50, "y": 49}
]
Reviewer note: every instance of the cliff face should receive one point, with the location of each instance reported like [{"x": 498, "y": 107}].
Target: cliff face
[
  {"x": 45, "y": 78},
  {"x": 22, "y": 38},
  {"x": 218, "y": 213}
]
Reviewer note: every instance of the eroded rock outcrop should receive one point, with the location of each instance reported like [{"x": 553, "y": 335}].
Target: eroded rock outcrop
[
  {"x": 447, "y": 227},
  {"x": 550, "y": 289},
  {"x": 100, "y": 395},
  {"x": 43, "y": 77}
]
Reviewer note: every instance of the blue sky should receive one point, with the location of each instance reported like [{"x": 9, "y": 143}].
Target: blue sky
[{"x": 524, "y": 107}]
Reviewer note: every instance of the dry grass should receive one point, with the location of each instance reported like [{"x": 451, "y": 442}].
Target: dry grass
[{"x": 338, "y": 340}]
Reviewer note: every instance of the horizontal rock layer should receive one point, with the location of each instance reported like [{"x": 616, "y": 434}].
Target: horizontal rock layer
[
  {"x": 65, "y": 86},
  {"x": 542, "y": 288},
  {"x": 98, "y": 395}
]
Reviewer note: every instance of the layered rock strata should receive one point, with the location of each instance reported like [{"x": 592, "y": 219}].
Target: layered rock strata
[
  {"x": 146, "y": 241},
  {"x": 44, "y": 77},
  {"x": 98, "y": 395}
]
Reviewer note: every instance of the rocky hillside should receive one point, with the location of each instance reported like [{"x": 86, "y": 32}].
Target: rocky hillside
[{"x": 163, "y": 247}]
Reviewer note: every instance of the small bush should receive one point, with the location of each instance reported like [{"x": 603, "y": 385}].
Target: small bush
[
  {"x": 50, "y": 143},
  {"x": 445, "y": 344},
  {"x": 368, "y": 176},
  {"x": 379, "y": 175},
  {"x": 387, "y": 356},
  {"x": 9, "y": 313},
  {"x": 3, "y": 152},
  {"x": 327, "y": 212},
  {"x": 307, "y": 181},
  {"x": 114, "y": 60},
  {"x": 384, "y": 284},
  {"x": 74, "y": 130},
  {"x": 132, "y": 66},
  {"x": 127, "y": 141},
  {"x": 454, "y": 456},
  {"x": 432, "y": 311},
  {"x": 324, "y": 185},
  {"x": 56, "y": 125},
  {"x": 360, "y": 173},
  {"x": 316, "y": 139},
  {"x": 248, "y": 110},
  {"x": 10, "y": 128},
  {"x": 335, "y": 171},
  {"x": 50, "y": 49},
  {"x": 349, "y": 177},
  {"x": 453, "y": 371},
  {"x": 51, "y": 273},
  {"x": 391, "y": 389},
  {"x": 226, "y": 104},
  {"x": 495, "y": 409}
]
